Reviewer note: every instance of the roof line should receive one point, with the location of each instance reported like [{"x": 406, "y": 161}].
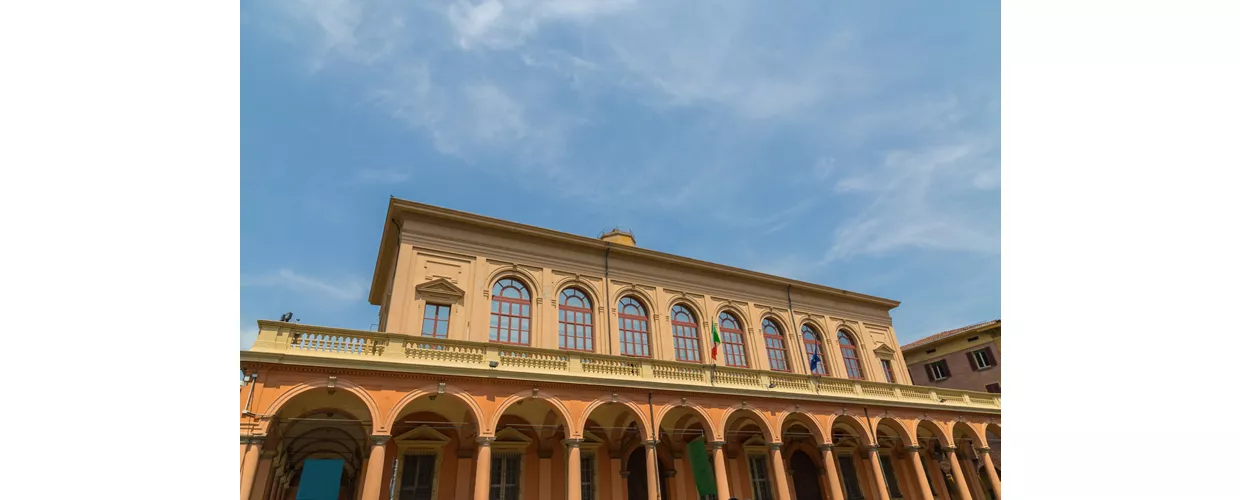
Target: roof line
[{"x": 930, "y": 339}]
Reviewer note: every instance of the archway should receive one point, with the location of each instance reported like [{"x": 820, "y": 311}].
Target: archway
[
  {"x": 679, "y": 427},
  {"x": 433, "y": 445},
  {"x": 851, "y": 443},
  {"x": 528, "y": 452},
  {"x": 804, "y": 469},
  {"x": 621, "y": 434},
  {"x": 750, "y": 470},
  {"x": 967, "y": 441},
  {"x": 326, "y": 426}
]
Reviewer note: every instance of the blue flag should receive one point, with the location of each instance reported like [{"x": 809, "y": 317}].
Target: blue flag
[{"x": 813, "y": 362}]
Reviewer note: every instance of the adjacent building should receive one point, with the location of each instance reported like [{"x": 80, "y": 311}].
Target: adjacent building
[
  {"x": 964, "y": 358},
  {"x": 513, "y": 362}
]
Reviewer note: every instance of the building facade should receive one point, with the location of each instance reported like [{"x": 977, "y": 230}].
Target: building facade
[
  {"x": 965, "y": 358},
  {"x": 516, "y": 363}
]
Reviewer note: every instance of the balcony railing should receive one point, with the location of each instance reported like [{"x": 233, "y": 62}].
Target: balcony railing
[{"x": 444, "y": 355}]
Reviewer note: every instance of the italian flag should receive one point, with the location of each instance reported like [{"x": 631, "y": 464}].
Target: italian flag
[{"x": 714, "y": 350}]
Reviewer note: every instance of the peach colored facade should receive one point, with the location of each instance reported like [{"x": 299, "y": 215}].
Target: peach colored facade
[{"x": 472, "y": 388}]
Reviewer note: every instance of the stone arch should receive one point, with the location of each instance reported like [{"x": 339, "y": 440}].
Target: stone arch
[
  {"x": 341, "y": 384},
  {"x": 694, "y": 308},
  {"x": 520, "y": 274},
  {"x": 643, "y": 421},
  {"x": 970, "y": 431},
  {"x": 816, "y": 325},
  {"x": 907, "y": 438},
  {"x": 815, "y": 427},
  {"x": 937, "y": 429},
  {"x": 645, "y": 298},
  {"x": 736, "y": 311},
  {"x": 854, "y": 423},
  {"x": 779, "y": 322},
  {"x": 764, "y": 424},
  {"x": 390, "y": 419},
  {"x": 715, "y": 433},
  {"x": 585, "y": 287},
  {"x": 552, "y": 401}
]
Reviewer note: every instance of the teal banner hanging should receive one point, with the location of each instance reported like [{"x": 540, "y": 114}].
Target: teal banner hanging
[{"x": 320, "y": 479}]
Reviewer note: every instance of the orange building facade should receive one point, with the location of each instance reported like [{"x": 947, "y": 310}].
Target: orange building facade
[{"x": 516, "y": 363}]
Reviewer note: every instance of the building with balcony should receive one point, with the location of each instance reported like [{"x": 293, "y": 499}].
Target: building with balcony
[{"x": 513, "y": 362}]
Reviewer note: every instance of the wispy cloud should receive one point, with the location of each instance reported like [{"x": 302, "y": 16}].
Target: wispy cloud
[{"x": 351, "y": 290}]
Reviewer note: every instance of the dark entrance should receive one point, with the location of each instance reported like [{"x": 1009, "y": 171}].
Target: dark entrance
[
  {"x": 805, "y": 476},
  {"x": 636, "y": 465}
]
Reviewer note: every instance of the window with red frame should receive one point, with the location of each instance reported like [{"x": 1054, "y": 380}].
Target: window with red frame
[
  {"x": 776, "y": 353},
  {"x": 733, "y": 341},
  {"x": 891, "y": 376},
  {"x": 435, "y": 321},
  {"x": 852, "y": 363},
  {"x": 685, "y": 335},
  {"x": 634, "y": 328},
  {"x": 510, "y": 312},
  {"x": 813, "y": 345},
  {"x": 576, "y": 321}
]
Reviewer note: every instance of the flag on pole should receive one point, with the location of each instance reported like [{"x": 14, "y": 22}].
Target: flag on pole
[
  {"x": 703, "y": 475},
  {"x": 813, "y": 362},
  {"x": 714, "y": 349}
]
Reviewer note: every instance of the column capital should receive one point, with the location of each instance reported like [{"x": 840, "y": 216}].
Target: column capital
[
  {"x": 485, "y": 441},
  {"x": 717, "y": 445},
  {"x": 826, "y": 446},
  {"x": 573, "y": 443},
  {"x": 775, "y": 446},
  {"x": 912, "y": 448},
  {"x": 256, "y": 439},
  {"x": 982, "y": 451},
  {"x": 949, "y": 449},
  {"x": 649, "y": 443},
  {"x": 379, "y": 440}
]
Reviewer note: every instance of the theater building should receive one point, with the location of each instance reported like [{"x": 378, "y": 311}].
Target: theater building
[{"x": 513, "y": 362}]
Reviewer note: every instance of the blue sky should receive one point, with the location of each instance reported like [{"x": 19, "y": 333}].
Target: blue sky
[{"x": 851, "y": 144}]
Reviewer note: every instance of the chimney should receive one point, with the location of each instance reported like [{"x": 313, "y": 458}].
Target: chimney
[{"x": 619, "y": 237}]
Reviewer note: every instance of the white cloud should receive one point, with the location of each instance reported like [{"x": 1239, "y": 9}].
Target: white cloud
[{"x": 349, "y": 291}]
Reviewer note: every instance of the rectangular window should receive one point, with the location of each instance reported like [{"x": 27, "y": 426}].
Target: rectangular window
[
  {"x": 992, "y": 388},
  {"x": 587, "y": 475},
  {"x": 506, "y": 476},
  {"x": 852, "y": 484},
  {"x": 981, "y": 359},
  {"x": 889, "y": 474},
  {"x": 891, "y": 376},
  {"x": 417, "y": 477},
  {"x": 435, "y": 321},
  {"x": 759, "y": 478},
  {"x": 938, "y": 370}
]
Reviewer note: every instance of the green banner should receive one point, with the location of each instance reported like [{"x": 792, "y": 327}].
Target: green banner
[{"x": 703, "y": 475}]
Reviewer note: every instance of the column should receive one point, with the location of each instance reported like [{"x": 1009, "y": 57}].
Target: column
[
  {"x": 905, "y": 477},
  {"x": 721, "y": 474},
  {"x": 680, "y": 476},
  {"x": 574, "y": 469},
  {"x": 935, "y": 471},
  {"x": 880, "y": 481},
  {"x": 373, "y": 485},
  {"x": 618, "y": 478},
  {"x": 991, "y": 473},
  {"x": 970, "y": 472},
  {"x": 249, "y": 463},
  {"x": 833, "y": 473},
  {"x": 652, "y": 473},
  {"x": 263, "y": 477},
  {"x": 919, "y": 472},
  {"x": 777, "y": 469},
  {"x": 360, "y": 480},
  {"x": 482, "y": 469},
  {"x": 962, "y": 487}
]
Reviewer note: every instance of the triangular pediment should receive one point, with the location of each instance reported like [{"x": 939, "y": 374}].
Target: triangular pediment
[
  {"x": 423, "y": 434},
  {"x": 440, "y": 289},
  {"x": 884, "y": 350}
]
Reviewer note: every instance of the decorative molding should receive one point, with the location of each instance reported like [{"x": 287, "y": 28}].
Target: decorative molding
[
  {"x": 573, "y": 443},
  {"x": 484, "y": 441},
  {"x": 884, "y": 351},
  {"x": 775, "y": 446},
  {"x": 716, "y": 445},
  {"x": 982, "y": 451},
  {"x": 649, "y": 444},
  {"x": 826, "y": 446},
  {"x": 440, "y": 290},
  {"x": 256, "y": 439},
  {"x": 913, "y": 448},
  {"x": 379, "y": 440}
]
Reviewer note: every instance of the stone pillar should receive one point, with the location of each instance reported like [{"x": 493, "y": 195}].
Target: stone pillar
[
  {"x": 919, "y": 472},
  {"x": 880, "y": 480},
  {"x": 962, "y": 486},
  {"x": 680, "y": 476},
  {"x": 482, "y": 469},
  {"x": 833, "y": 474},
  {"x": 970, "y": 472},
  {"x": 777, "y": 470},
  {"x": 462, "y": 477},
  {"x": 721, "y": 474},
  {"x": 262, "y": 478},
  {"x": 249, "y": 463},
  {"x": 905, "y": 477},
  {"x": 372, "y": 488},
  {"x": 652, "y": 472},
  {"x": 936, "y": 476},
  {"x": 618, "y": 478},
  {"x": 991, "y": 473},
  {"x": 574, "y": 469}
]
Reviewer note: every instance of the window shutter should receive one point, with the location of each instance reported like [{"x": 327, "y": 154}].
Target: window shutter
[
  {"x": 929, "y": 372},
  {"x": 972, "y": 360},
  {"x": 946, "y": 372},
  {"x": 990, "y": 355}
]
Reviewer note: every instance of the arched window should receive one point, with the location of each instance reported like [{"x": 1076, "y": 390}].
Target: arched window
[
  {"x": 733, "y": 340},
  {"x": 510, "y": 312},
  {"x": 773, "y": 337},
  {"x": 634, "y": 328},
  {"x": 851, "y": 362},
  {"x": 813, "y": 345},
  {"x": 685, "y": 335},
  {"x": 576, "y": 321}
]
